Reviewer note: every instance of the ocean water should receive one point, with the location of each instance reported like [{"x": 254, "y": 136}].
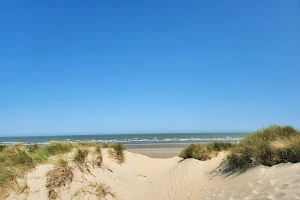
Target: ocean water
[{"x": 129, "y": 138}]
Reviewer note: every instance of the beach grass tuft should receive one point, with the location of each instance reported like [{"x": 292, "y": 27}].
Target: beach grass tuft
[
  {"x": 81, "y": 155},
  {"x": 61, "y": 175},
  {"x": 269, "y": 146},
  {"x": 117, "y": 152},
  {"x": 105, "y": 145},
  {"x": 2, "y": 147},
  {"x": 102, "y": 190},
  {"x": 99, "y": 157},
  {"x": 54, "y": 148},
  {"x": 99, "y": 190},
  {"x": 204, "y": 151}
]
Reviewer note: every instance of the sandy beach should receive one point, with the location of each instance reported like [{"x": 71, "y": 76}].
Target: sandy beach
[
  {"x": 157, "y": 152},
  {"x": 142, "y": 177},
  {"x": 165, "y": 150}
]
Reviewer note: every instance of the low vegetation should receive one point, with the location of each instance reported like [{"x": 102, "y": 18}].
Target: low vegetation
[
  {"x": 55, "y": 148},
  {"x": 17, "y": 160},
  {"x": 117, "y": 152},
  {"x": 99, "y": 157},
  {"x": 269, "y": 146},
  {"x": 99, "y": 190},
  {"x": 61, "y": 175},
  {"x": 2, "y": 146},
  {"x": 105, "y": 145},
  {"x": 204, "y": 151},
  {"x": 84, "y": 144},
  {"x": 81, "y": 155}
]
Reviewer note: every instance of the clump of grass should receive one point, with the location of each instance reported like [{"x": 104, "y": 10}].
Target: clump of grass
[
  {"x": 81, "y": 155},
  {"x": 52, "y": 194},
  {"x": 17, "y": 160},
  {"x": 117, "y": 152},
  {"x": 55, "y": 148},
  {"x": 269, "y": 146},
  {"x": 33, "y": 148},
  {"x": 7, "y": 177},
  {"x": 61, "y": 175},
  {"x": 84, "y": 144},
  {"x": 204, "y": 151},
  {"x": 40, "y": 156},
  {"x": 2, "y": 146},
  {"x": 100, "y": 190},
  {"x": 16, "y": 155},
  {"x": 105, "y": 145},
  {"x": 99, "y": 158}
]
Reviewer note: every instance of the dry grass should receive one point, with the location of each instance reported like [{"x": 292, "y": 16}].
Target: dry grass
[
  {"x": 61, "y": 175},
  {"x": 117, "y": 152},
  {"x": 81, "y": 155},
  {"x": 17, "y": 160},
  {"x": 105, "y": 145},
  {"x": 100, "y": 190},
  {"x": 99, "y": 158},
  {"x": 84, "y": 144}
]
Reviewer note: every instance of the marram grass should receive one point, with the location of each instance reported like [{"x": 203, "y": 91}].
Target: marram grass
[
  {"x": 269, "y": 146},
  {"x": 204, "y": 151}
]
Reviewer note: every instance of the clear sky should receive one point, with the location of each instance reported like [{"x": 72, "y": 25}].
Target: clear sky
[{"x": 148, "y": 66}]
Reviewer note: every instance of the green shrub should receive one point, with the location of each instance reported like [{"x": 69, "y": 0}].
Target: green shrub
[
  {"x": 204, "y": 151},
  {"x": 269, "y": 146},
  {"x": 81, "y": 155}
]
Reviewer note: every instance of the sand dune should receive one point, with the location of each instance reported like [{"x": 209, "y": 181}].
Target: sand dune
[{"x": 141, "y": 177}]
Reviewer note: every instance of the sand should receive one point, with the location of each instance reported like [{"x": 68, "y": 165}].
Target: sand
[
  {"x": 157, "y": 152},
  {"x": 142, "y": 177}
]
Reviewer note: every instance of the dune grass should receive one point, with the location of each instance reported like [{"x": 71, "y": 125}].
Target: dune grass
[
  {"x": 7, "y": 177},
  {"x": 99, "y": 157},
  {"x": 117, "y": 152},
  {"x": 55, "y": 148},
  {"x": 84, "y": 144},
  {"x": 269, "y": 146},
  {"x": 99, "y": 190},
  {"x": 61, "y": 175},
  {"x": 105, "y": 145},
  {"x": 204, "y": 151},
  {"x": 2, "y": 146},
  {"x": 81, "y": 155},
  {"x": 17, "y": 160}
]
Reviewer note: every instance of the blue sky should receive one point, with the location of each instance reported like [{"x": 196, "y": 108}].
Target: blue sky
[{"x": 155, "y": 66}]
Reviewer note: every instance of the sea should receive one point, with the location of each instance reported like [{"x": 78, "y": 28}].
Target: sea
[{"x": 130, "y": 140}]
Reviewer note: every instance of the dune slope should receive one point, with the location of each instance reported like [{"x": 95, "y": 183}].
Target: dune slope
[{"x": 141, "y": 177}]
